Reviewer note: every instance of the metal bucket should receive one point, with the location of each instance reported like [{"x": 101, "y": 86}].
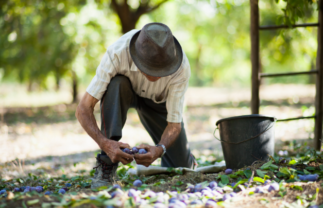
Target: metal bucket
[{"x": 247, "y": 138}]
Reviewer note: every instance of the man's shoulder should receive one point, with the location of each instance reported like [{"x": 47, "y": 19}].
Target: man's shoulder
[{"x": 123, "y": 42}]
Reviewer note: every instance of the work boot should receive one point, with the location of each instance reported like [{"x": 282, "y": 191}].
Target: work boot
[{"x": 105, "y": 172}]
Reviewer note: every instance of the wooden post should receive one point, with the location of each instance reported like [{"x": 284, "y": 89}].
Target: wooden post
[
  {"x": 319, "y": 83},
  {"x": 254, "y": 36}
]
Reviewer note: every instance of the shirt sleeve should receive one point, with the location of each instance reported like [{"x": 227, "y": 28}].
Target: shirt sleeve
[
  {"x": 175, "y": 99},
  {"x": 106, "y": 70}
]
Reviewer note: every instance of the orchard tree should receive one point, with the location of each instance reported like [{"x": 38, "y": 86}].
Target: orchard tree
[
  {"x": 33, "y": 44},
  {"x": 129, "y": 12}
]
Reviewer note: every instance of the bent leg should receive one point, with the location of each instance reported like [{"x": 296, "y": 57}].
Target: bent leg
[
  {"x": 153, "y": 117},
  {"x": 114, "y": 105}
]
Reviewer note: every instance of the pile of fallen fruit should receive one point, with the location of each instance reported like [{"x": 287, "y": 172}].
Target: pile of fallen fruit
[{"x": 277, "y": 177}]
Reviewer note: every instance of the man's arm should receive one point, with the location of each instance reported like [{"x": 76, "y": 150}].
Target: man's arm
[
  {"x": 84, "y": 113},
  {"x": 169, "y": 136}
]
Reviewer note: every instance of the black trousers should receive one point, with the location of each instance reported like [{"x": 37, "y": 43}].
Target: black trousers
[{"x": 115, "y": 103}]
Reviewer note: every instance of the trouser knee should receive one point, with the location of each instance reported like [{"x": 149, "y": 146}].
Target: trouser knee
[{"x": 119, "y": 84}]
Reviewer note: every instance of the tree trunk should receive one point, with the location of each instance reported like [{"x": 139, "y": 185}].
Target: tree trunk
[
  {"x": 57, "y": 87},
  {"x": 128, "y": 24},
  {"x": 29, "y": 87},
  {"x": 74, "y": 86}
]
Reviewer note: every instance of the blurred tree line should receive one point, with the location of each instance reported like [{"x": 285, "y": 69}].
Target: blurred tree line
[{"x": 66, "y": 39}]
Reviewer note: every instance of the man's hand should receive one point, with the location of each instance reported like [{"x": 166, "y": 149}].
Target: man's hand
[
  {"x": 84, "y": 114},
  {"x": 152, "y": 154},
  {"x": 113, "y": 150}
]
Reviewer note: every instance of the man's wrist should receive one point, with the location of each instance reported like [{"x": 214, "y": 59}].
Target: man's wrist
[{"x": 162, "y": 148}]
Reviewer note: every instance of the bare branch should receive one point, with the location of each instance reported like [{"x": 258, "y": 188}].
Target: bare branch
[
  {"x": 156, "y": 6},
  {"x": 145, "y": 8}
]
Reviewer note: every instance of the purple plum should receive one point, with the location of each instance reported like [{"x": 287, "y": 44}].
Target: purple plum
[
  {"x": 198, "y": 194},
  {"x": 16, "y": 190},
  {"x": 228, "y": 171},
  {"x": 137, "y": 183},
  {"x": 48, "y": 193},
  {"x": 259, "y": 190},
  {"x": 65, "y": 188},
  {"x": 126, "y": 150},
  {"x": 311, "y": 177},
  {"x": 142, "y": 151},
  {"x": 210, "y": 203},
  {"x": 226, "y": 197},
  {"x": 61, "y": 191},
  {"x": 233, "y": 194},
  {"x": 135, "y": 150},
  {"x": 267, "y": 182},
  {"x": 177, "y": 204},
  {"x": 213, "y": 184},
  {"x": 27, "y": 189},
  {"x": 2, "y": 191},
  {"x": 197, "y": 202},
  {"x": 22, "y": 188},
  {"x": 198, "y": 188},
  {"x": 301, "y": 177},
  {"x": 207, "y": 188},
  {"x": 150, "y": 194},
  {"x": 191, "y": 188},
  {"x": 39, "y": 189},
  {"x": 273, "y": 187},
  {"x": 132, "y": 193},
  {"x": 207, "y": 193},
  {"x": 32, "y": 188},
  {"x": 159, "y": 205},
  {"x": 116, "y": 186},
  {"x": 68, "y": 185},
  {"x": 172, "y": 200},
  {"x": 116, "y": 193}
]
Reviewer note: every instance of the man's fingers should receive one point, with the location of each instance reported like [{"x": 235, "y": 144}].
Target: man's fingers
[
  {"x": 144, "y": 146},
  {"x": 124, "y": 145}
]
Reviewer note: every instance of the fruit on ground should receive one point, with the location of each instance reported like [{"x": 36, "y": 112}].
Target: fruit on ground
[
  {"x": 68, "y": 185},
  {"x": 228, "y": 171},
  {"x": 137, "y": 183},
  {"x": 213, "y": 184},
  {"x": 48, "y": 193},
  {"x": 273, "y": 187},
  {"x": 61, "y": 191},
  {"x": 311, "y": 177}
]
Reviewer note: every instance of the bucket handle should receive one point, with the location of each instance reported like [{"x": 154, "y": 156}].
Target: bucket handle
[{"x": 268, "y": 127}]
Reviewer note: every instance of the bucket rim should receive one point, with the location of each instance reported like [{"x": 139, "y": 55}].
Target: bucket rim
[{"x": 247, "y": 116}]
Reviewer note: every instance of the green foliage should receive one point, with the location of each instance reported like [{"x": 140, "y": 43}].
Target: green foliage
[
  {"x": 296, "y": 9},
  {"x": 48, "y": 39},
  {"x": 33, "y": 44}
]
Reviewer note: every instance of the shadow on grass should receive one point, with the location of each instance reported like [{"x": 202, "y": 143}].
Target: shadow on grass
[
  {"x": 66, "y": 112},
  {"x": 62, "y": 160},
  {"x": 40, "y": 115}
]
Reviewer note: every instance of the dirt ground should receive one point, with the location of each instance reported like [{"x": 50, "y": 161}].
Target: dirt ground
[
  {"x": 49, "y": 141},
  {"x": 52, "y": 138}
]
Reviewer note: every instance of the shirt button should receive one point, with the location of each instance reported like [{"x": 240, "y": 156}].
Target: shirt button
[{"x": 143, "y": 90}]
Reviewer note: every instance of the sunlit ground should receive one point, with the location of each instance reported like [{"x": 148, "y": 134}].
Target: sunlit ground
[{"x": 32, "y": 134}]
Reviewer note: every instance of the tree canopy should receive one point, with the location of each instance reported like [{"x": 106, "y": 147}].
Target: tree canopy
[{"x": 54, "y": 38}]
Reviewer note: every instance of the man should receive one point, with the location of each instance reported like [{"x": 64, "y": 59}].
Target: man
[{"x": 146, "y": 70}]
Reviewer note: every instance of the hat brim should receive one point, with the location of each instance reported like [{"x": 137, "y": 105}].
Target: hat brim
[{"x": 160, "y": 71}]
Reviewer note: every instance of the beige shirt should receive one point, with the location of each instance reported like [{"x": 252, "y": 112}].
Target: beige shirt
[{"x": 169, "y": 89}]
